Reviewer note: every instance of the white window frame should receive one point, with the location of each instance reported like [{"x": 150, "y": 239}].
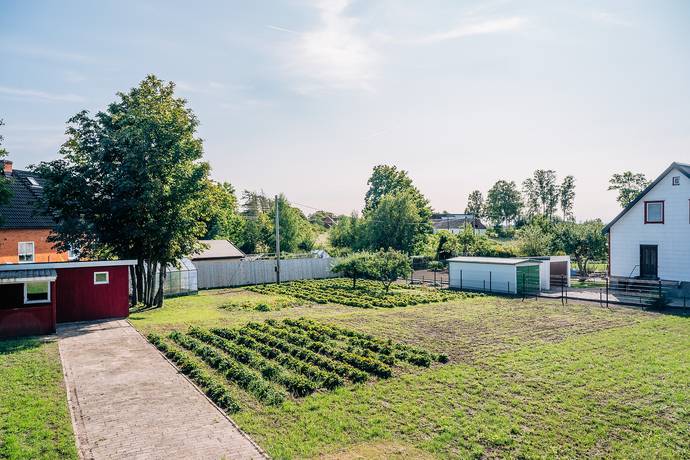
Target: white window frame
[
  {"x": 26, "y": 298},
  {"x": 33, "y": 182},
  {"x": 19, "y": 252},
  {"x": 107, "y": 277}
]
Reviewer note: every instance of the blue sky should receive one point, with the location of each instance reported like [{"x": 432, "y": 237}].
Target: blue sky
[{"x": 305, "y": 97}]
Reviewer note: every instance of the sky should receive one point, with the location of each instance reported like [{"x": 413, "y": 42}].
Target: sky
[{"x": 305, "y": 97}]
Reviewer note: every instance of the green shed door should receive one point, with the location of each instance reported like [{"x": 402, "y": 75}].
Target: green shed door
[{"x": 528, "y": 280}]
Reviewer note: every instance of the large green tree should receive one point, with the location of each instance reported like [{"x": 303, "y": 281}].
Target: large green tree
[
  {"x": 541, "y": 193},
  {"x": 4, "y": 188},
  {"x": 296, "y": 232},
  {"x": 130, "y": 183},
  {"x": 223, "y": 220},
  {"x": 567, "y": 197},
  {"x": 503, "y": 202},
  {"x": 348, "y": 232},
  {"x": 389, "y": 180},
  {"x": 398, "y": 223},
  {"x": 628, "y": 185},
  {"x": 475, "y": 204}
]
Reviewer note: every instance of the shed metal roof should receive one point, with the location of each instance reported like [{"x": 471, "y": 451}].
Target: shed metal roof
[
  {"x": 495, "y": 260},
  {"x": 22, "y": 276},
  {"x": 218, "y": 249}
]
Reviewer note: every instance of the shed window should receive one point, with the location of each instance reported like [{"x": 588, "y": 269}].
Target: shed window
[
  {"x": 101, "y": 278},
  {"x": 37, "y": 292},
  {"x": 654, "y": 212},
  {"x": 26, "y": 251}
]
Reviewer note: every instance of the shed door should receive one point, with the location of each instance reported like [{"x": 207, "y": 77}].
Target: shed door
[{"x": 528, "y": 280}]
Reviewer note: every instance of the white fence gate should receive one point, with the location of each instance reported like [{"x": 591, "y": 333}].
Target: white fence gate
[{"x": 221, "y": 273}]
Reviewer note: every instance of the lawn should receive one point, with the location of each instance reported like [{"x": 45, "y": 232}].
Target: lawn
[
  {"x": 529, "y": 379},
  {"x": 34, "y": 418}
]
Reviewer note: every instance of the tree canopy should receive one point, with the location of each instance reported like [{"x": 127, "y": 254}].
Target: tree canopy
[
  {"x": 130, "y": 183},
  {"x": 398, "y": 223},
  {"x": 503, "y": 202},
  {"x": 475, "y": 204},
  {"x": 628, "y": 185}
]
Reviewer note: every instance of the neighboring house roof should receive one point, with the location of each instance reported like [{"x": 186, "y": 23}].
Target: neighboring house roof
[
  {"x": 495, "y": 260},
  {"x": 218, "y": 249},
  {"x": 682, "y": 167},
  {"x": 458, "y": 222},
  {"x": 20, "y": 212}
]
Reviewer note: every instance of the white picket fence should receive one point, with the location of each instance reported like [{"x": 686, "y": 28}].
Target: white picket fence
[{"x": 219, "y": 274}]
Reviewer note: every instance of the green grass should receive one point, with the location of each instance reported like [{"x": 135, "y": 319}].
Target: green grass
[
  {"x": 527, "y": 379},
  {"x": 34, "y": 418}
]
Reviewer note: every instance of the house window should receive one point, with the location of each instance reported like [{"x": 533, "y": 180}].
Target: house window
[
  {"x": 26, "y": 251},
  {"x": 653, "y": 212},
  {"x": 101, "y": 278},
  {"x": 37, "y": 292},
  {"x": 675, "y": 180}
]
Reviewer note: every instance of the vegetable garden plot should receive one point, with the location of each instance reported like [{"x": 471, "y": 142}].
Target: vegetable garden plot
[
  {"x": 367, "y": 294},
  {"x": 274, "y": 360}
]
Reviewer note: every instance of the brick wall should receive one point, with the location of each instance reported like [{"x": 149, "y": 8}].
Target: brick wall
[{"x": 44, "y": 252}]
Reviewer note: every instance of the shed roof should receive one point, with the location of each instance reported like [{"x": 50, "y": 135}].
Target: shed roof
[
  {"x": 495, "y": 260},
  {"x": 22, "y": 276},
  {"x": 682, "y": 167},
  {"x": 218, "y": 249}
]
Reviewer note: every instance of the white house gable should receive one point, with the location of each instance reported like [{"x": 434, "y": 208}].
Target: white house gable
[{"x": 660, "y": 218}]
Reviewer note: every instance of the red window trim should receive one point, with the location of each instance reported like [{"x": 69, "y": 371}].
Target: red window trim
[{"x": 663, "y": 212}]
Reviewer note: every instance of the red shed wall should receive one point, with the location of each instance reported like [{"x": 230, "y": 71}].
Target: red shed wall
[
  {"x": 33, "y": 319},
  {"x": 79, "y": 299}
]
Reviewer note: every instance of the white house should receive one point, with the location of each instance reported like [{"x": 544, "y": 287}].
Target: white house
[{"x": 650, "y": 238}]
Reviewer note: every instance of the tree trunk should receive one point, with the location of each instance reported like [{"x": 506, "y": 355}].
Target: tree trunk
[
  {"x": 135, "y": 291},
  {"x": 158, "y": 300},
  {"x": 140, "y": 279}
]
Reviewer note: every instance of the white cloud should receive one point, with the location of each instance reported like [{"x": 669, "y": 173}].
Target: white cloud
[
  {"x": 478, "y": 28},
  {"x": 39, "y": 95},
  {"x": 333, "y": 54},
  {"x": 44, "y": 53}
]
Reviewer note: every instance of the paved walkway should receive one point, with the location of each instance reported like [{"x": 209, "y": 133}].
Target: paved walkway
[{"x": 127, "y": 401}]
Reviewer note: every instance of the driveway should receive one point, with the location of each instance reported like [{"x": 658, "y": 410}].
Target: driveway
[{"x": 127, "y": 401}]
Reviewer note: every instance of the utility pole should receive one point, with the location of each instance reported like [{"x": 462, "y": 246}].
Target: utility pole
[{"x": 277, "y": 225}]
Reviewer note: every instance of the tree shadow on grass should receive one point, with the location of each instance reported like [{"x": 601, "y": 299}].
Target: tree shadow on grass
[{"x": 9, "y": 346}]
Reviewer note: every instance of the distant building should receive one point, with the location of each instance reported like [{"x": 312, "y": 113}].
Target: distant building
[
  {"x": 23, "y": 232},
  {"x": 456, "y": 223}
]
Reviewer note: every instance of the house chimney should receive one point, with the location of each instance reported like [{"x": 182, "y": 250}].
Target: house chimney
[{"x": 7, "y": 167}]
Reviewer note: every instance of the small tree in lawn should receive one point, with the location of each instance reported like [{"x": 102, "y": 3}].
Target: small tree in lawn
[
  {"x": 354, "y": 267},
  {"x": 390, "y": 265}
]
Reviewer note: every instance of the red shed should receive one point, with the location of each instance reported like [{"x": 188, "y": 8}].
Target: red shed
[{"x": 36, "y": 296}]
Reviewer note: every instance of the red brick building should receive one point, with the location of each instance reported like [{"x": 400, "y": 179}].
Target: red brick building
[{"x": 23, "y": 231}]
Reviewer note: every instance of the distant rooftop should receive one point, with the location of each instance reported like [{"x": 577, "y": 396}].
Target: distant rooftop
[{"x": 218, "y": 249}]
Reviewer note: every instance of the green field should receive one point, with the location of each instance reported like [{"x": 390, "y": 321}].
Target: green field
[
  {"x": 34, "y": 418},
  {"x": 527, "y": 379}
]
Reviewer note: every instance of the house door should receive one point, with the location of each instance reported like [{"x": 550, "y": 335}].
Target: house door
[{"x": 649, "y": 261}]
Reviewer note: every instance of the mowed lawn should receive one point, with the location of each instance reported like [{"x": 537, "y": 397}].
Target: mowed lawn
[
  {"x": 531, "y": 379},
  {"x": 34, "y": 418}
]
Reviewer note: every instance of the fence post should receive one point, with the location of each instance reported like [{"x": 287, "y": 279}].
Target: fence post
[
  {"x": 607, "y": 293},
  {"x": 490, "y": 290},
  {"x": 659, "y": 289},
  {"x": 460, "y": 280},
  {"x": 562, "y": 283},
  {"x": 484, "y": 289}
]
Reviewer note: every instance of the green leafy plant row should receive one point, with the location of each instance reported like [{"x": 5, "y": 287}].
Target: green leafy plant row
[
  {"x": 214, "y": 390},
  {"x": 298, "y": 385},
  {"x": 367, "y": 294},
  {"x": 231, "y": 369},
  {"x": 287, "y": 356},
  {"x": 296, "y": 335}
]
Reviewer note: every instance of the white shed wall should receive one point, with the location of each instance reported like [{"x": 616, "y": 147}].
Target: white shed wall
[
  {"x": 476, "y": 276},
  {"x": 672, "y": 237}
]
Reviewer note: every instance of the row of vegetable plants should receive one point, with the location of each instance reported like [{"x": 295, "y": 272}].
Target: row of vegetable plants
[
  {"x": 240, "y": 374},
  {"x": 217, "y": 392},
  {"x": 365, "y": 295}
]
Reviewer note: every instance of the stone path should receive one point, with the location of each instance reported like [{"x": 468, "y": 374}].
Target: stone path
[{"x": 127, "y": 401}]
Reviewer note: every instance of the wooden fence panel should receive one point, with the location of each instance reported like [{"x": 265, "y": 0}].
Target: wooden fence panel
[{"x": 220, "y": 273}]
